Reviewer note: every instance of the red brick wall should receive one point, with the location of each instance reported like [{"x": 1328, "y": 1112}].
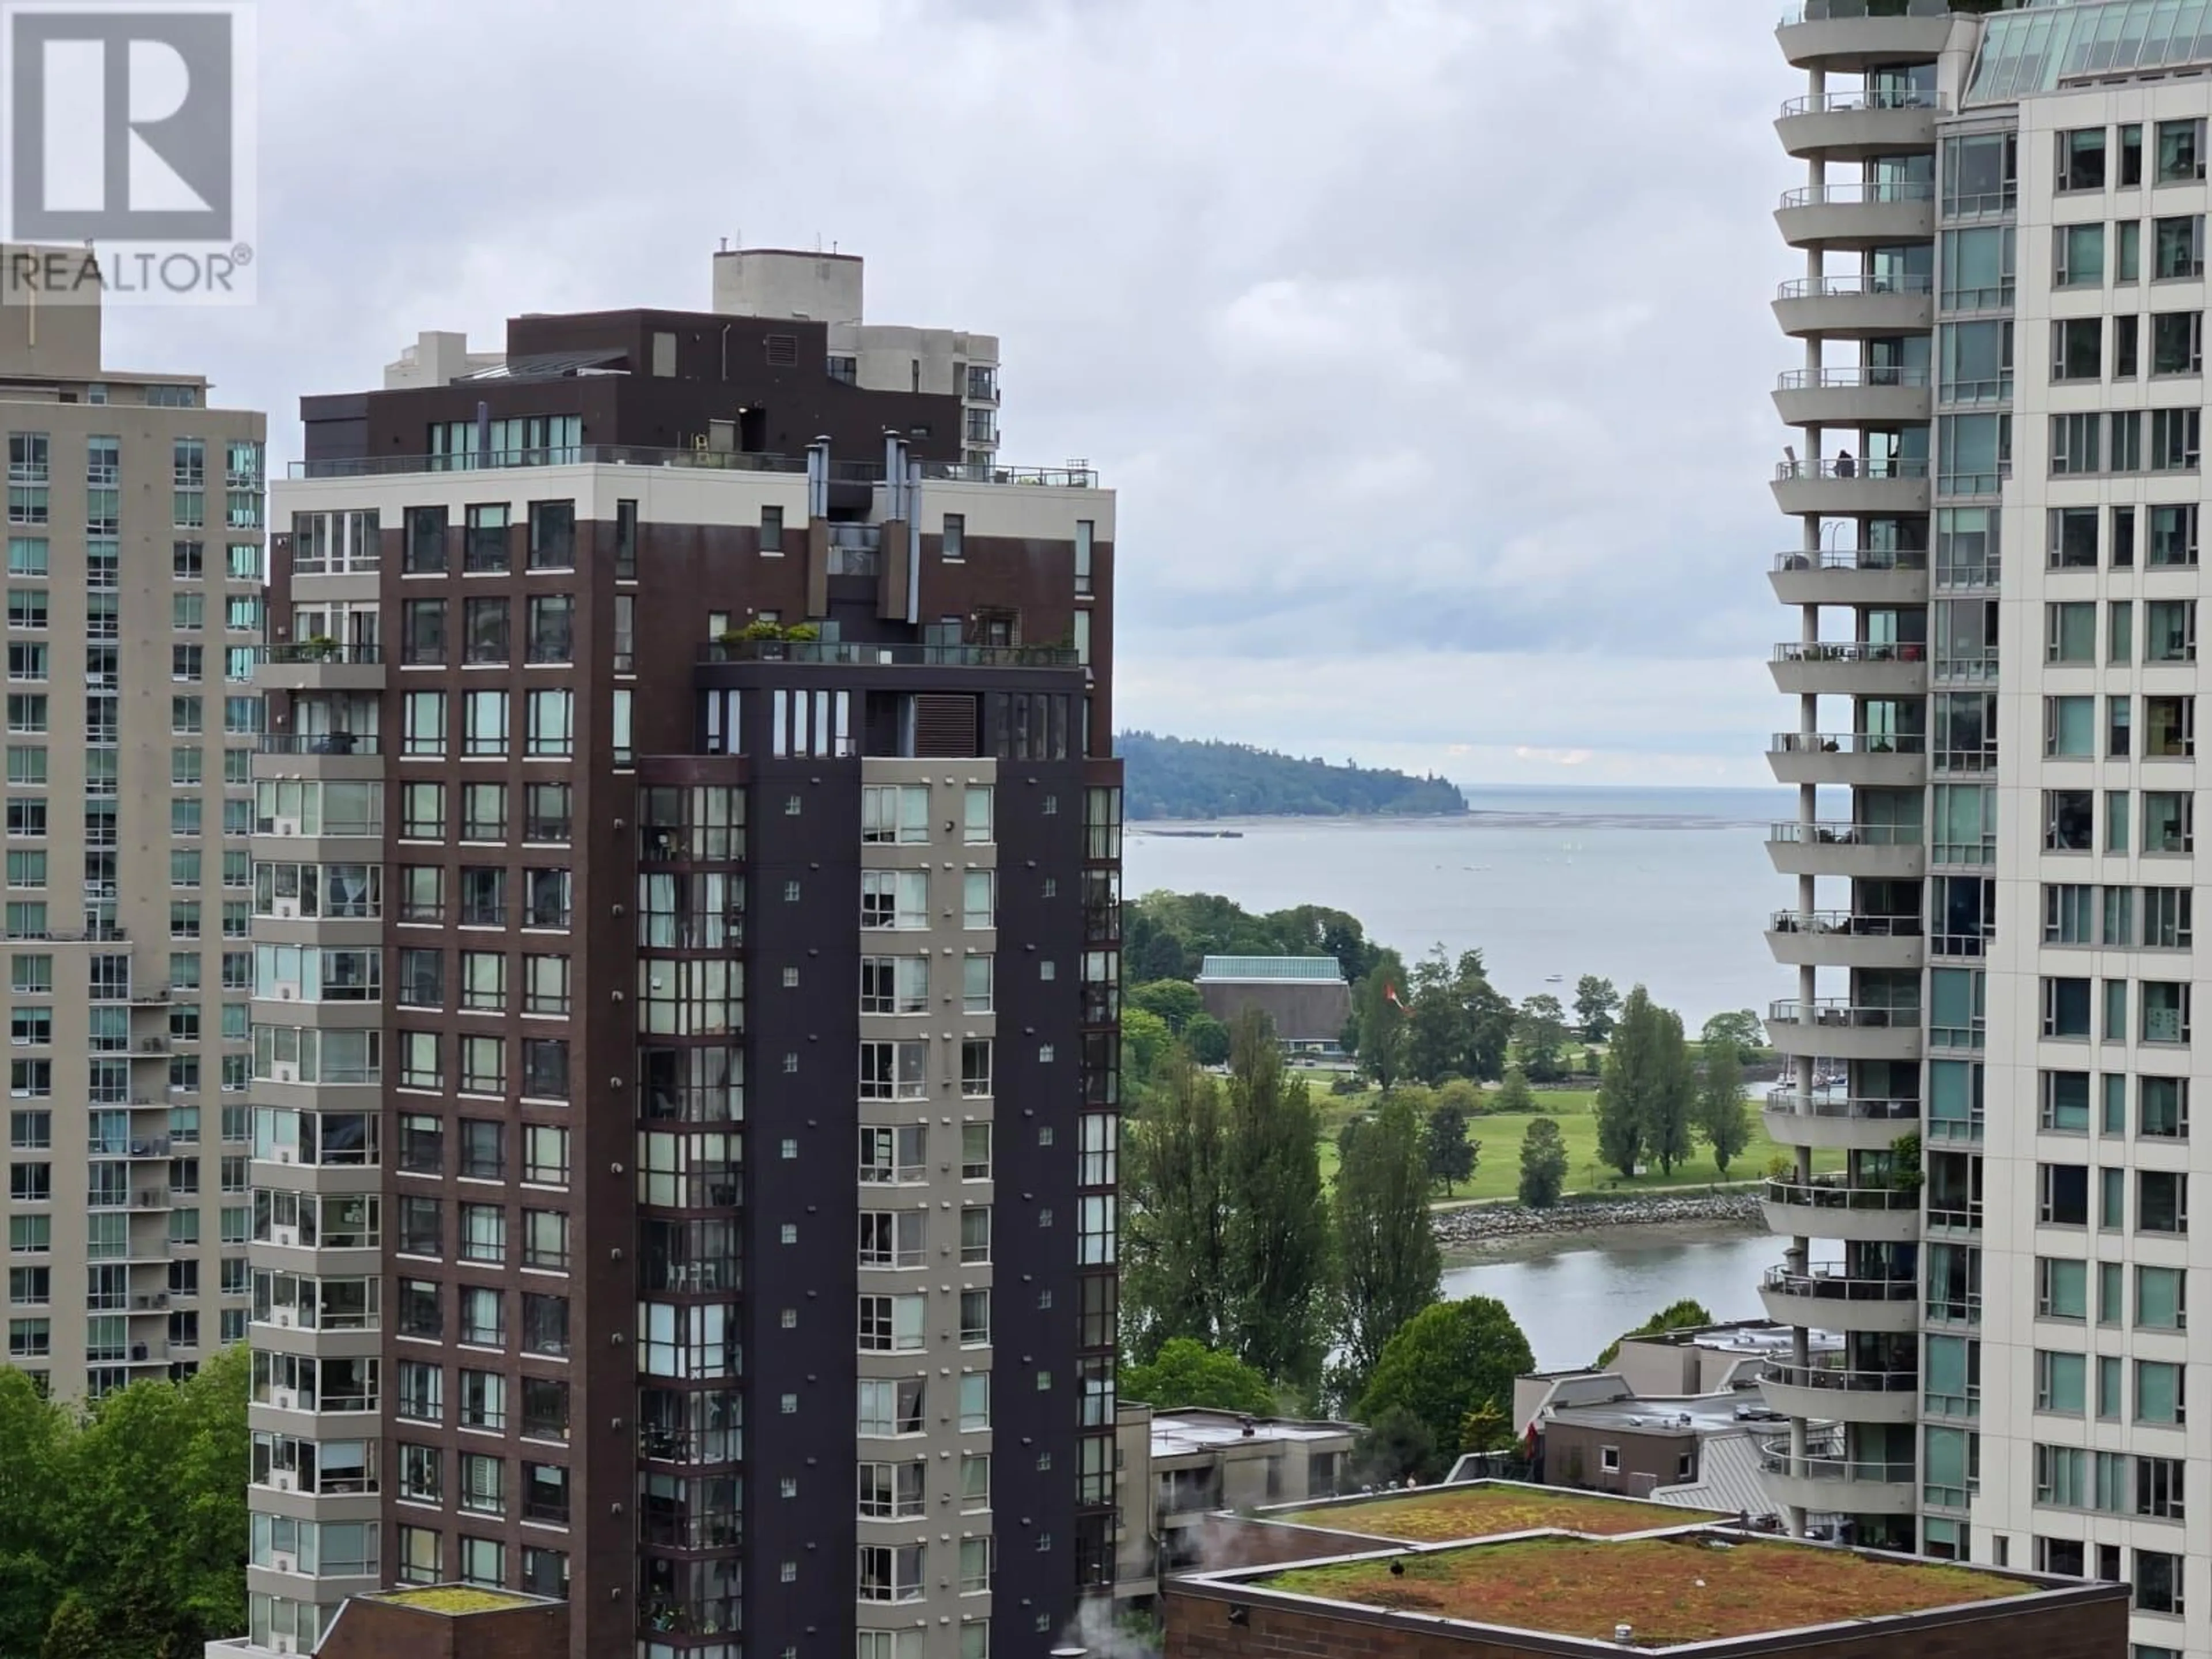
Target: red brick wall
[{"x": 1198, "y": 1627}]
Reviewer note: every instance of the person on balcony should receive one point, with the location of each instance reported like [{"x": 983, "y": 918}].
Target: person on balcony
[{"x": 1845, "y": 466}]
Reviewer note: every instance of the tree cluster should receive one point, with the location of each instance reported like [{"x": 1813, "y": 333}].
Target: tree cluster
[
  {"x": 1175, "y": 778},
  {"x": 1168, "y": 936},
  {"x": 123, "y": 1529},
  {"x": 1230, "y": 1243},
  {"x": 1654, "y": 1102}
]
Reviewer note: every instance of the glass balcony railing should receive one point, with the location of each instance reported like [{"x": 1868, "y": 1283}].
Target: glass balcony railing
[{"x": 1830, "y": 1285}]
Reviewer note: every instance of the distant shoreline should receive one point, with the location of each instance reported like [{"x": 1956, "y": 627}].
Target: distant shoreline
[{"x": 1655, "y": 1235}]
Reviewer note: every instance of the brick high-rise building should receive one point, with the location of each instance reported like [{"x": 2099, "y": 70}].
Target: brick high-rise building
[{"x": 686, "y": 1005}]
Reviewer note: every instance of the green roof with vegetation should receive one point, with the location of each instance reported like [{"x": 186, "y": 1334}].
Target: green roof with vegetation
[
  {"x": 453, "y": 1599},
  {"x": 1447, "y": 1515},
  {"x": 1322, "y": 968},
  {"x": 1669, "y": 1591}
]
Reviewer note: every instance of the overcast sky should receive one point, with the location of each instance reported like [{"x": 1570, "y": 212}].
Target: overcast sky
[{"x": 1426, "y": 341}]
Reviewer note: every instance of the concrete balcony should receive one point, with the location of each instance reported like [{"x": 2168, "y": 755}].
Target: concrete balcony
[
  {"x": 1852, "y": 488},
  {"x": 1814, "y": 1392},
  {"x": 1828, "y": 1208},
  {"x": 309, "y": 666},
  {"x": 1837, "y": 1030},
  {"x": 1852, "y": 127},
  {"x": 1836, "y": 938},
  {"x": 343, "y": 756},
  {"x": 1870, "y": 852},
  {"x": 1826, "y": 1121},
  {"x": 1829, "y": 1485},
  {"x": 1851, "y": 37},
  {"x": 1855, "y": 397},
  {"x": 1823, "y": 1299},
  {"x": 1850, "y": 668},
  {"x": 1856, "y": 308},
  {"x": 1851, "y": 760},
  {"x": 1857, "y": 215},
  {"x": 1851, "y": 576}
]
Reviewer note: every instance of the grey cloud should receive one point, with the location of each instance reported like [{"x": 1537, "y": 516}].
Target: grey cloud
[{"x": 1426, "y": 322}]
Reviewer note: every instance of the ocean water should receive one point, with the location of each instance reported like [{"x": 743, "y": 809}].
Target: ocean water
[{"x": 1666, "y": 887}]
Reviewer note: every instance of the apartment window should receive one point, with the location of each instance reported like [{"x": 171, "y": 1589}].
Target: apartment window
[
  {"x": 2076, "y": 447},
  {"x": 2077, "y": 349},
  {"x": 552, "y": 628},
  {"x": 2176, "y": 343},
  {"x": 424, "y": 554},
  {"x": 2082, "y": 159},
  {"x": 552, "y": 722},
  {"x": 895, "y": 899},
  {"x": 2159, "y": 1393},
  {"x": 771, "y": 530},
  {"x": 2178, "y": 247},
  {"x": 552, "y": 535},
  {"x": 895, "y": 813},
  {"x": 2161, "y": 1201},
  {"x": 2061, "y": 1383},
  {"x": 2161, "y": 1298},
  {"x": 2180, "y": 153},
  {"x": 2169, "y": 727},
  {"x": 2081, "y": 255},
  {"x": 544, "y": 1156},
  {"x": 2066, "y": 1102},
  {"x": 2063, "y": 1195},
  {"x": 483, "y": 812},
  {"x": 2162, "y": 1108},
  {"x": 895, "y": 985},
  {"x": 976, "y": 1068},
  {"x": 2069, "y": 727},
  {"x": 549, "y": 812},
  {"x": 486, "y": 549},
  {"x": 2166, "y": 1011},
  {"x": 2169, "y": 821},
  {"x": 424, "y": 727},
  {"x": 484, "y": 629},
  {"x": 2070, "y": 632}
]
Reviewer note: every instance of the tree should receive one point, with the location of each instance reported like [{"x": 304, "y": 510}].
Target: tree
[
  {"x": 1541, "y": 1031},
  {"x": 1741, "y": 1030},
  {"x": 1396, "y": 1448},
  {"x": 1643, "y": 1098},
  {"x": 1386, "y": 1249},
  {"x": 1379, "y": 1004},
  {"x": 1449, "y": 1360},
  {"x": 1722, "y": 1118},
  {"x": 1144, "y": 1039},
  {"x": 1596, "y": 1003},
  {"x": 1208, "y": 1039},
  {"x": 32, "y": 1432},
  {"x": 1515, "y": 1098},
  {"x": 1460, "y": 1023},
  {"x": 1188, "y": 1373},
  {"x": 1687, "y": 1315},
  {"x": 1543, "y": 1164},
  {"x": 1174, "y": 1000},
  {"x": 1174, "y": 1232},
  {"x": 1485, "y": 1428},
  {"x": 1451, "y": 1155},
  {"x": 1276, "y": 1248}
]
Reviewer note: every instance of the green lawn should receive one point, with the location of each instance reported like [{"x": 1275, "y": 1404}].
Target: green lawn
[{"x": 1498, "y": 1173}]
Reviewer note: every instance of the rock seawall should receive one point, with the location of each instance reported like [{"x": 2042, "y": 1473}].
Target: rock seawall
[{"x": 1483, "y": 1224}]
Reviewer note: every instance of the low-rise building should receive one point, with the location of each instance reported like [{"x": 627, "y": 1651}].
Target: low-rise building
[
  {"x": 1307, "y": 997},
  {"x": 1720, "y": 1594},
  {"x": 1178, "y": 1467}
]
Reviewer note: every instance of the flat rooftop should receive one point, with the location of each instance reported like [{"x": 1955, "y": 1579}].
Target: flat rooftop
[
  {"x": 1178, "y": 1433},
  {"x": 1691, "y": 1414},
  {"x": 456, "y": 1599},
  {"x": 1488, "y": 1508},
  {"x": 1671, "y": 1591}
]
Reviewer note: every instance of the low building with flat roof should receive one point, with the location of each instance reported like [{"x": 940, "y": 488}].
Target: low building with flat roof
[
  {"x": 1178, "y": 1467},
  {"x": 1306, "y": 997},
  {"x": 1718, "y": 1592}
]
